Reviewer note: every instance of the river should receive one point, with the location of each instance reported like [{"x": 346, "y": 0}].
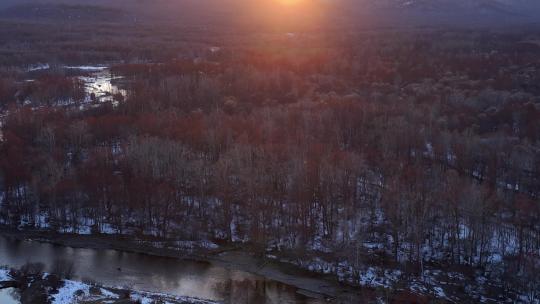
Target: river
[{"x": 150, "y": 273}]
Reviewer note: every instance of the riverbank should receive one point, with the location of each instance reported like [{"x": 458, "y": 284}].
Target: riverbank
[
  {"x": 32, "y": 288},
  {"x": 321, "y": 287}
]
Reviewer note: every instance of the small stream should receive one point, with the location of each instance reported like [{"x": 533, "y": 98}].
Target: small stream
[{"x": 150, "y": 273}]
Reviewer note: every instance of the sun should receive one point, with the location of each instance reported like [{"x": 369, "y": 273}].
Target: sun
[{"x": 290, "y": 2}]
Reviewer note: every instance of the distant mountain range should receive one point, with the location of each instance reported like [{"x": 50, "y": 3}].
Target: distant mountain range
[
  {"x": 368, "y": 13},
  {"x": 457, "y": 12},
  {"x": 524, "y": 8},
  {"x": 61, "y": 12}
]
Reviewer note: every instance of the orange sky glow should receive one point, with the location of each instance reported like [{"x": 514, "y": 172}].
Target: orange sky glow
[
  {"x": 290, "y": 2},
  {"x": 285, "y": 15}
]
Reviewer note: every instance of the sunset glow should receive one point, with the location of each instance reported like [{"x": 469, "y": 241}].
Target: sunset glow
[
  {"x": 290, "y": 2},
  {"x": 285, "y": 15}
]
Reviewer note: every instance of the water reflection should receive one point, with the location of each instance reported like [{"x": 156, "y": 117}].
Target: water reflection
[
  {"x": 143, "y": 272},
  {"x": 100, "y": 86}
]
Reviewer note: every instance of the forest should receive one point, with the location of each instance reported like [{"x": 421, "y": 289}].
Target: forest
[{"x": 388, "y": 159}]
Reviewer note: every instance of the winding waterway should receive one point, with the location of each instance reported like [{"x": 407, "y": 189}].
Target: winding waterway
[{"x": 151, "y": 273}]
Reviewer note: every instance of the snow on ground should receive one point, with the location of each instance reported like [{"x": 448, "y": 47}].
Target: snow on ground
[
  {"x": 141, "y": 299},
  {"x": 4, "y": 274},
  {"x": 83, "y": 230},
  {"x": 378, "y": 277},
  {"x": 87, "y": 68},
  {"x": 70, "y": 292},
  {"x": 108, "y": 293},
  {"x": 38, "y": 67},
  {"x": 149, "y": 298},
  {"x": 439, "y": 292},
  {"x": 108, "y": 229},
  {"x": 183, "y": 245},
  {"x": 434, "y": 282},
  {"x": 73, "y": 292}
]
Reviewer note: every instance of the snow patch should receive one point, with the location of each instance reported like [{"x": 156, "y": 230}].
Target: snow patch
[
  {"x": 4, "y": 274},
  {"x": 87, "y": 68},
  {"x": 69, "y": 292},
  {"x": 38, "y": 67}
]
